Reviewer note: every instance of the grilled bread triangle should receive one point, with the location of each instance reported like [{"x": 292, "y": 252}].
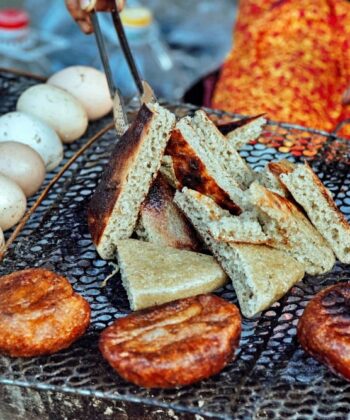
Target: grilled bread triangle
[
  {"x": 291, "y": 230},
  {"x": 153, "y": 274},
  {"x": 316, "y": 200},
  {"x": 162, "y": 223},
  {"x": 238, "y": 133},
  {"x": 125, "y": 182},
  {"x": 260, "y": 275}
]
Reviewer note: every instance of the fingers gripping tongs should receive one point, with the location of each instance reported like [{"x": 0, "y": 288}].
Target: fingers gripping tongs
[{"x": 145, "y": 91}]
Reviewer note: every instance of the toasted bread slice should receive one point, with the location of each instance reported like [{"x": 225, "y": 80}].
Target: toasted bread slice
[
  {"x": 153, "y": 274},
  {"x": 291, "y": 230},
  {"x": 127, "y": 178},
  {"x": 191, "y": 169},
  {"x": 260, "y": 275},
  {"x": 162, "y": 223},
  {"x": 239, "y": 133},
  {"x": 225, "y": 227},
  {"x": 308, "y": 190},
  {"x": 218, "y": 151},
  {"x": 269, "y": 177}
]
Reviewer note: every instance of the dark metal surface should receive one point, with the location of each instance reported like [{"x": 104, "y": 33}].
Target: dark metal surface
[{"x": 271, "y": 376}]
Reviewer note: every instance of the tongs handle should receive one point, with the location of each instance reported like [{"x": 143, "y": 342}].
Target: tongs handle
[
  {"x": 103, "y": 52},
  {"x": 126, "y": 50},
  {"x": 119, "y": 113}
]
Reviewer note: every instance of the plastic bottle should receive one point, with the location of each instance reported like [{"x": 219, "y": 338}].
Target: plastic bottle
[
  {"x": 151, "y": 54},
  {"x": 23, "y": 48}
]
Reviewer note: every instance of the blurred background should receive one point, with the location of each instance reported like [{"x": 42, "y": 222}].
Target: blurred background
[{"x": 175, "y": 42}]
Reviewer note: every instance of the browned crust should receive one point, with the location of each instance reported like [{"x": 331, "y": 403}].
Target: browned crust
[
  {"x": 165, "y": 219},
  {"x": 196, "y": 338},
  {"x": 226, "y": 128},
  {"x": 323, "y": 329},
  {"x": 115, "y": 175},
  {"x": 273, "y": 200},
  {"x": 279, "y": 168},
  {"x": 191, "y": 172},
  {"x": 328, "y": 197},
  {"x": 39, "y": 313}
]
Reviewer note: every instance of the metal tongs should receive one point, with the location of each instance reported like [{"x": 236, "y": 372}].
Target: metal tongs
[{"x": 144, "y": 89}]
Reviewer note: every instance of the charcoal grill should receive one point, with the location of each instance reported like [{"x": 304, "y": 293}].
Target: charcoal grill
[{"x": 271, "y": 376}]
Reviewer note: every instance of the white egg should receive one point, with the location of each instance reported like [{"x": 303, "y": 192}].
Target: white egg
[
  {"x": 88, "y": 85},
  {"x": 24, "y": 128},
  {"x": 23, "y": 165},
  {"x": 12, "y": 203},
  {"x": 57, "y": 108},
  {"x": 2, "y": 240}
]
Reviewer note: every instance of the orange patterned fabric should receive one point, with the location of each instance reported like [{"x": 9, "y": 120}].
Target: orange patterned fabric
[{"x": 291, "y": 59}]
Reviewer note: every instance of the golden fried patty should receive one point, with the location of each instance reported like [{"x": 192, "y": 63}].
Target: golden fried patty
[
  {"x": 324, "y": 328},
  {"x": 174, "y": 344},
  {"x": 39, "y": 313}
]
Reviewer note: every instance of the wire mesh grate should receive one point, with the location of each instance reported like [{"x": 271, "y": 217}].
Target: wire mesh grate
[{"x": 271, "y": 376}]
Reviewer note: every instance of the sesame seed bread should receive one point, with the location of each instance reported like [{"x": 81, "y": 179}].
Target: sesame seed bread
[
  {"x": 125, "y": 182},
  {"x": 314, "y": 197},
  {"x": 260, "y": 275},
  {"x": 153, "y": 274},
  {"x": 162, "y": 223},
  {"x": 291, "y": 230}
]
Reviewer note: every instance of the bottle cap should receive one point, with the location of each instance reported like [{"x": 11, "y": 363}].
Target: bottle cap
[
  {"x": 136, "y": 17},
  {"x": 13, "y": 19}
]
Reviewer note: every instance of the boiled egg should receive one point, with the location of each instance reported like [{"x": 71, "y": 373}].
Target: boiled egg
[
  {"x": 23, "y": 165},
  {"x": 12, "y": 203},
  {"x": 24, "y": 128},
  {"x": 57, "y": 108},
  {"x": 88, "y": 85}
]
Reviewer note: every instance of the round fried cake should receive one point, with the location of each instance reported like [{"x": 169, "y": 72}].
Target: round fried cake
[
  {"x": 175, "y": 344},
  {"x": 324, "y": 328},
  {"x": 39, "y": 313}
]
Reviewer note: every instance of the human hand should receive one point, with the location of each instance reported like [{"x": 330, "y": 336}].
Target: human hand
[{"x": 79, "y": 9}]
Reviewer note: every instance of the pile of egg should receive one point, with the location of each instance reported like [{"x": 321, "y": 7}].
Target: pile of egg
[{"x": 32, "y": 137}]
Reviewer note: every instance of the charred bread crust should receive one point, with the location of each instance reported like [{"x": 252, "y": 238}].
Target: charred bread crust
[
  {"x": 323, "y": 329},
  {"x": 116, "y": 172},
  {"x": 226, "y": 128},
  {"x": 279, "y": 168},
  {"x": 161, "y": 219},
  {"x": 191, "y": 172}
]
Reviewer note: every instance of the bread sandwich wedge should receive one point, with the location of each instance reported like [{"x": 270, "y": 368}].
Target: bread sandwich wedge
[
  {"x": 308, "y": 190},
  {"x": 291, "y": 230},
  {"x": 162, "y": 223},
  {"x": 260, "y": 275},
  {"x": 239, "y": 133},
  {"x": 153, "y": 274},
  {"x": 125, "y": 182}
]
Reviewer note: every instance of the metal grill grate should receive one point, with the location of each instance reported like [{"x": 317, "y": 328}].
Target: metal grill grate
[{"x": 271, "y": 376}]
